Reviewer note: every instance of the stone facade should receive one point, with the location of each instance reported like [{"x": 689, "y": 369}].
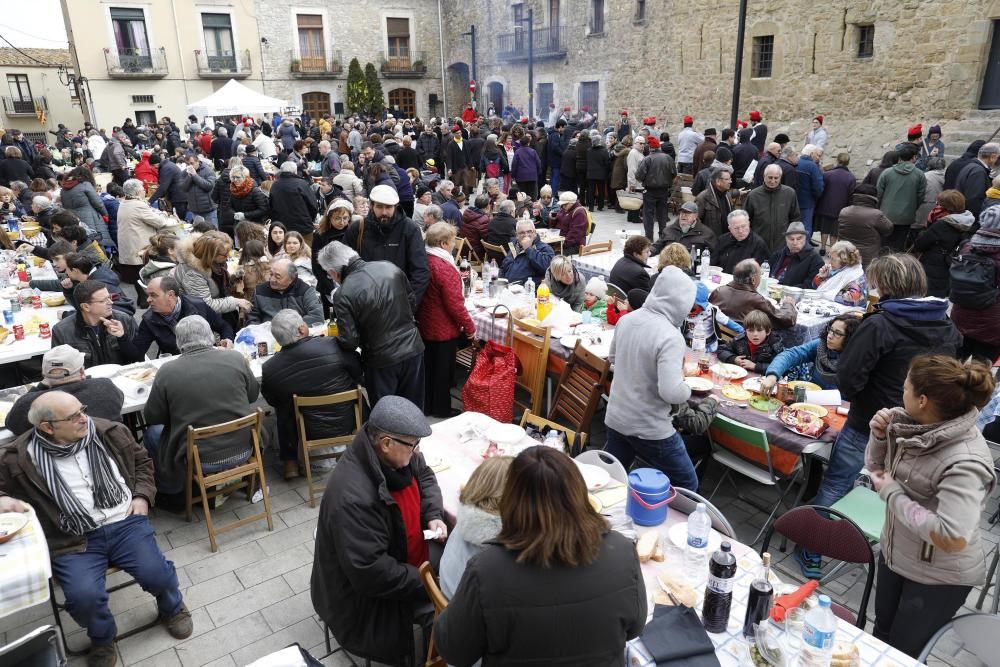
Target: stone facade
[
  {"x": 928, "y": 64},
  {"x": 356, "y": 31}
]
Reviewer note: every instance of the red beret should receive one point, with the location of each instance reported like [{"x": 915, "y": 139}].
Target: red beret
[
  {"x": 819, "y": 117},
  {"x": 586, "y": 108},
  {"x": 755, "y": 116},
  {"x": 456, "y": 128},
  {"x": 524, "y": 120},
  {"x": 653, "y": 142},
  {"x": 740, "y": 124},
  {"x": 649, "y": 120},
  {"x": 688, "y": 120},
  {"x": 625, "y": 112},
  {"x": 915, "y": 131}
]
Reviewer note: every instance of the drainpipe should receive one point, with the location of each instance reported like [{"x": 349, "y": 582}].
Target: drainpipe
[
  {"x": 444, "y": 87},
  {"x": 180, "y": 54}
]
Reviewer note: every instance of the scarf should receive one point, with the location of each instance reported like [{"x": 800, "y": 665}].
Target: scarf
[
  {"x": 838, "y": 280},
  {"x": 993, "y": 193},
  {"x": 397, "y": 479},
  {"x": 73, "y": 518},
  {"x": 174, "y": 315},
  {"x": 826, "y": 364},
  {"x": 445, "y": 255},
  {"x": 936, "y": 214},
  {"x": 243, "y": 189}
]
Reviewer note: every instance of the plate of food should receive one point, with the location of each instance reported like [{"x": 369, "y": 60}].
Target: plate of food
[
  {"x": 505, "y": 434},
  {"x": 729, "y": 371},
  {"x": 485, "y": 302},
  {"x": 699, "y": 385},
  {"x": 735, "y": 392},
  {"x": 753, "y": 384},
  {"x": 803, "y": 422},
  {"x": 819, "y": 410},
  {"x": 141, "y": 374},
  {"x": 53, "y": 299},
  {"x": 569, "y": 342},
  {"x": 810, "y": 386},
  {"x": 763, "y": 403},
  {"x": 595, "y": 477},
  {"x": 11, "y": 523}
]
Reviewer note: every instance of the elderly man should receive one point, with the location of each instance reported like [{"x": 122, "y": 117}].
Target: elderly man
[
  {"x": 387, "y": 234},
  {"x": 284, "y": 289},
  {"x": 329, "y": 160},
  {"x": 432, "y": 213},
  {"x": 225, "y": 389},
  {"x": 222, "y": 147},
  {"x": 96, "y": 327},
  {"x": 772, "y": 207},
  {"x": 63, "y": 370},
  {"x": 797, "y": 263},
  {"x": 788, "y": 162},
  {"x": 378, "y": 501},
  {"x": 43, "y": 209},
  {"x": 901, "y": 190},
  {"x": 810, "y": 184},
  {"x": 168, "y": 306},
  {"x": 770, "y": 156},
  {"x": 688, "y": 231},
  {"x": 91, "y": 486},
  {"x": 293, "y": 202},
  {"x": 713, "y": 202},
  {"x": 656, "y": 172},
  {"x": 740, "y": 297},
  {"x": 974, "y": 179},
  {"x": 375, "y": 309},
  {"x": 739, "y": 243},
  {"x": 532, "y": 259},
  {"x": 307, "y": 366}
]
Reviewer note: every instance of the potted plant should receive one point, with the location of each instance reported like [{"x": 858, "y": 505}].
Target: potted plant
[
  {"x": 296, "y": 65},
  {"x": 419, "y": 66}
]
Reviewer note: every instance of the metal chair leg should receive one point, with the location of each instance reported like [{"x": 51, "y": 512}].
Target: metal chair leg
[{"x": 990, "y": 583}]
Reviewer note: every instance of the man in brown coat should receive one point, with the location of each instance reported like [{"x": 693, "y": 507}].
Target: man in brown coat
[
  {"x": 713, "y": 202},
  {"x": 740, "y": 297}
]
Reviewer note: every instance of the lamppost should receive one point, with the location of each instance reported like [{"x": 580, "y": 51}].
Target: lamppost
[
  {"x": 530, "y": 20},
  {"x": 738, "y": 74},
  {"x": 472, "y": 88}
]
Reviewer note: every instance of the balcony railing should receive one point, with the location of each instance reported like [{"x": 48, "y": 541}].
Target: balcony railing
[
  {"x": 323, "y": 66},
  {"x": 134, "y": 64},
  {"x": 412, "y": 65},
  {"x": 546, "y": 43},
  {"x": 223, "y": 65},
  {"x": 21, "y": 107}
]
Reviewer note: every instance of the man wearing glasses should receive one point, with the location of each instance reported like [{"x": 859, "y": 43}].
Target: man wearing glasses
[
  {"x": 91, "y": 486},
  {"x": 379, "y": 501},
  {"x": 96, "y": 327},
  {"x": 532, "y": 259}
]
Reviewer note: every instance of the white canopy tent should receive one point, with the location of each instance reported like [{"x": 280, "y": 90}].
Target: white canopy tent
[{"x": 235, "y": 98}]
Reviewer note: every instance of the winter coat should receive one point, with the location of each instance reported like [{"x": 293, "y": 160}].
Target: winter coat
[
  {"x": 311, "y": 366},
  {"x": 568, "y": 170},
  {"x": 556, "y": 146},
  {"x": 473, "y": 528},
  {"x": 15, "y": 169},
  {"x": 736, "y": 300},
  {"x": 688, "y": 141},
  {"x": 698, "y": 159},
  {"x": 802, "y": 266},
  {"x": 874, "y": 364},
  {"x": 573, "y": 293},
  {"x": 953, "y": 170},
  {"x": 713, "y": 209},
  {"x": 169, "y": 186},
  {"x": 632, "y": 162},
  {"x": 442, "y": 315},
  {"x": 864, "y": 225},
  {"x": 19, "y": 478},
  {"x": 980, "y": 325},
  {"x": 136, "y": 223},
  {"x": 935, "y": 186},
  {"x": 400, "y": 243},
  {"x": 583, "y": 145},
  {"x": 498, "y": 158},
  {"x": 455, "y": 155},
  {"x": 79, "y": 197},
  {"x": 628, "y": 274},
  {"x": 156, "y": 267},
  {"x": 526, "y": 165},
  {"x": 154, "y": 328},
  {"x": 762, "y": 357},
  {"x": 619, "y": 167},
  {"x": 254, "y": 206},
  {"x": 475, "y": 227},
  {"x": 114, "y": 155},
  {"x": 199, "y": 189},
  {"x": 501, "y": 230},
  {"x": 598, "y": 163},
  {"x": 937, "y": 246},
  {"x": 101, "y": 396},
  {"x": 942, "y": 476},
  {"x": 798, "y": 356},
  {"x": 299, "y": 296},
  {"x": 531, "y": 263},
  {"x": 765, "y": 161},
  {"x": 656, "y": 171},
  {"x": 256, "y": 169},
  {"x": 510, "y": 613},
  {"x": 729, "y": 252},
  {"x": 365, "y": 591},
  {"x": 789, "y": 175},
  {"x": 221, "y": 150},
  {"x": 697, "y": 236},
  {"x": 771, "y": 211},
  {"x": 838, "y": 186},
  {"x": 350, "y": 184},
  {"x": 221, "y": 196},
  {"x": 287, "y": 135},
  {"x": 451, "y": 212},
  {"x": 900, "y": 191},
  {"x": 427, "y": 146},
  {"x": 573, "y": 224},
  {"x": 375, "y": 310},
  {"x": 293, "y": 203},
  {"x": 973, "y": 182},
  {"x": 98, "y": 348}
]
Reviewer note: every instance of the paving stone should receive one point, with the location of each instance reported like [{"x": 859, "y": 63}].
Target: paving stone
[
  {"x": 305, "y": 633},
  {"x": 280, "y": 540},
  {"x": 299, "y": 514},
  {"x": 298, "y": 579},
  {"x": 289, "y": 611},
  {"x": 156, "y": 640},
  {"x": 222, "y": 641},
  {"x": 224, "y": 561},
  {"x": 255, "y": 598},
  {"x": 224, "y": 661},
  {"x": 279, "y": 503},
  {"x": 167, "y": 658},
  {"x": 207, "y": 592},
  {"x": 274, "y": 566}
]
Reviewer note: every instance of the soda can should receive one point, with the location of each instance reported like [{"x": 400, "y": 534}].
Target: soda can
[
  {"x": 261, "y": 349},
  {"x": 8, "y": 317},
  {"x": 44, "y": 331},
  {"x": 18, "y": 332},
  {"x": 36, "y": 302}
]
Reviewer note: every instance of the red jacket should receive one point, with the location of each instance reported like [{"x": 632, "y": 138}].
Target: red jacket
[
  {"x": 475, "y": 225},
  {"x": 205, "y": 141},
  {"x": 469, "y": 116},
  {"x": 573, "y": 225},
  {"x": 442, "y": 314}
]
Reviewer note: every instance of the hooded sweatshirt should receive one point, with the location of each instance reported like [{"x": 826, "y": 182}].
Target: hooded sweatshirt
[
  {"x": 648, "y": 357},
  {"x": 473, "y": 528},
  {"x": 900, "y": 191}
]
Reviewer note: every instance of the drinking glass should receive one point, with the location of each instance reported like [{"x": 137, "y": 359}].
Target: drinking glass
[
  {"x": 795, "y": 620},
  {"x": 772, "y": 409}
]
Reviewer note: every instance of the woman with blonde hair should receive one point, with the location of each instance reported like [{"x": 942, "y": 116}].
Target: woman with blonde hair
[
  {"x": 202, "y": 272},
  {"x": 478, "y": 520},
  {"x": 674, "y": 254},
  {"x": 565, "y": 282},
  {"x": 297, "y": 250},
  {"x": 843, "y": 279}
]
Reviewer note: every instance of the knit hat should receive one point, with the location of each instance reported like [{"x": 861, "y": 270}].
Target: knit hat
[
  {"x": 688, "y": 120},
  {"x": 340, "y": 203},
  {"x": 625, "y": 112},
  {"x": 456, "y": 128},
  {"x": 795, "y": 228},
  {"x": 649, "y": 120},
  {"x": 935, "y": 129},
  {"x": 819, "y": 117},
  {"x": 637, "y": 297},
  {"x": 755, "y": 116},
  {"x": 61, "y": 362},
  {"x": 723, "y": 154},
  {"x": 654, "y": 143},
  {"x": 398, "y": 416},
  {"x": 740, "y": 124},
  {"x": 988, "y": 233},
  {"x": 567, "y": 197},
  {"x": 383, "y": 194},
  {"x": 915, "y": 131},
  {"x": 597, "y": 287}
]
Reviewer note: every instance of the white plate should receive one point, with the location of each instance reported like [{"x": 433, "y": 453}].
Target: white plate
[
  {"x": 505, "y": 434},
  {"x": 569, "y": 342},
  {"x": 730, "y": 371},
  {"x": 487, "y": 302},
  {"x": 752, "y": 384},
  {"x": 679, "y": 536},
  {"x": 104, "y": 371},
  {"x": 593, "y": 476},
  {"x": 433, "y": 461},
  {"x": 11, "y": 523}
]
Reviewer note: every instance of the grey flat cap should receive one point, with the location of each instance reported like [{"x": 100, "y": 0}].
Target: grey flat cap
[
  {"x": 796, "y": 228},
  {"x": 689, "y": 207},
  {"x": 399, "y": 416}
]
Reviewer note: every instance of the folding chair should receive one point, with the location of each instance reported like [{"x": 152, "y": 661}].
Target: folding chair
[
  {"x": 594, "y": 248},
  {"x": 994, "y": 569},
  {"x": 329, "y": 401},
  {"x": 606, "y": 460},
  {"x": 229, "y": 469},
  {"x": 531, "y": 345},
  {"x": 41, "y": 646},
  {"x": 978, "y": 635},
  {"x": 497, "y": 252},
  {"x": 572, "y": 437},
  {"x": 456, "y": 252},
  {"x": 440, "y": 602},
  {"x": 687, "y": 502},
  {"x": 580, "y": 386}
]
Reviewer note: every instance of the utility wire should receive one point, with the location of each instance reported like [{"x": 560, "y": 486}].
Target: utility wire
[{"x": 29, "y": 57}]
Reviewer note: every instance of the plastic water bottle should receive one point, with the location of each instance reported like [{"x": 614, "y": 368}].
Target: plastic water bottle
[
  {"x": 494, "y": 269},
  {"x": 696, "y": 554},
  {"x": 765, "y": 273},
  {"x": 706, "y": 260},
  {"x": 487, "y": 279},
  {"x": 818, "y": 633},
  {"x": 698, "y": 341},
  {"x": 529, "y": 289}
]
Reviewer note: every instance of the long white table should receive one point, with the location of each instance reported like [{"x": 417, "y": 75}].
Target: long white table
[{"x": 33, "y": 345}]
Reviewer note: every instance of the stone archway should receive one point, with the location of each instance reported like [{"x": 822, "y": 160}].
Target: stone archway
[{"x": 458, "y": 87}]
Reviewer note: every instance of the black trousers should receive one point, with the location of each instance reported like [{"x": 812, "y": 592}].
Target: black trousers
[
  {"x": 897, "y": 239},
  {"x": 404, "y": 378},
  {"x": 595, "y": 192},
  {"x": 530, "y": 188},
  {"x": 439, "y": 374},
  {"x": 654, "y": 207},
  {"x": 907, "y": 614}
]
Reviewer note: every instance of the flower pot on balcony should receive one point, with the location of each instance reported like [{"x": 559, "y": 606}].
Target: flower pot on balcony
[{"x": 296, "y": 66}]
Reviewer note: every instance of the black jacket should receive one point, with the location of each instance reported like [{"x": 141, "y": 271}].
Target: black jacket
[
  {"x": 311, "y": 367},
  {"x": 510, "y": 613},
  {"x": 256, "y": 169},
  {"x": 320, "y": 240},
  {"x": 400, "y": 243},
  {"x": 222, "y": 149},
  {"x": 569, "y": 162},
  {"x": 473, "y": 151},
  {"x": 936, "y": 246},
  {"x": 973, "y": 182},
  {"x": 802, "y": 267},
  {"x": 222, "y": 197},
  {"x": 555, "y": 146},
  {"x": 293, "y": 203},
  {"x": 427, "y": 146},
  {"x": 656, "y": 171},
  {"x": 598, "y": 163},
  {"x": 254, "y": 207},
  {"x": 729, "y": 252},
  {"x": 629, "y": 273},
  {"x": 170, "y": 184},
  {"x": 98, "y": 347},
  {"x": 155, "y": 329},
  {"x": 501, "y": 229},
  {"x": 583, "y": 145},
  {"x": 363, "y": 588},
  {"x": 740, "y": 347},
  {"x": 375, "y": 310},
  {"x": 102, "y": 398},
  {"x": 456, "y": 157},
  {"x": 15, "y": 169}
]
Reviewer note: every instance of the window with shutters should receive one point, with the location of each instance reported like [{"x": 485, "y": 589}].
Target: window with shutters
[
  {"x": 398, "y": 31},
  {"x": 544, "y": 97},
  {"x": 596, "y": 17},
  {"x": 312, "y": 53},
  {"x": 219, "y": 49},
  {"x": 142, "y": 99}
]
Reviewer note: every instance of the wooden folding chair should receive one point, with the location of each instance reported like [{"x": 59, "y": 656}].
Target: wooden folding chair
[
  {"x": 328, "y": 400},
  {"x": 594, "y": 248},
  {"x": 531, "y": 345},
  {"x": 497, "y": 252},
  {"x": 456, "y": 252},
  {"x": 440, "y": 602},
  {"x": 580, "y": 386},
  {"x": 573, "y": 438},
  {"x": 245, "y": 474}
]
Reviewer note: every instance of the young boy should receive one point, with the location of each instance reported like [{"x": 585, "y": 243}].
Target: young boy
[
  {"x": 705, "y": 319},
  {"x": 756, "y": 347},
  {"x": 593, "y": 299}
]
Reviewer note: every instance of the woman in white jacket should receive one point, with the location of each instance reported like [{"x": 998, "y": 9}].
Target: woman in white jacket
[{"x": 137, "y": 222}]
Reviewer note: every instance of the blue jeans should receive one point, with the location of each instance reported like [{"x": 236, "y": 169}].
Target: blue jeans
[
  {"x": 554, "y": 181},
  {"x": 211, "y": 217},
  {"x": 669, "y": 455},
  {"x": 807, "y": 220},
  {"x": 846, "y": 461},
  {"x": 129, "y": 544}
]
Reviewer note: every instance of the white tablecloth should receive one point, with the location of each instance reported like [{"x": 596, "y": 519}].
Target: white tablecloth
[{"x": 24, "y": 569}]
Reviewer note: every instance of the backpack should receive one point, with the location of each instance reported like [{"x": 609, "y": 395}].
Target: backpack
[
  {"x": 973, "y": 281},
  {"x": 493, "y": 168}
]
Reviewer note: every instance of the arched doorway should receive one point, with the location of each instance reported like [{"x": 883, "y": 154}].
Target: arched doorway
[
  {"x": 405, "y": 100},
  {"x": 316, "y": 104},
  {"x": 458, "y": 87},
  {"x": 494, "y": 96}
]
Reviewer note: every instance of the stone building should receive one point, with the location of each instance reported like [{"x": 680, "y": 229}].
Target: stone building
[
  {"x": 871, "y": 68},
  {"x": 36, "y": 100},
  {"x": 308, "y": 45}
]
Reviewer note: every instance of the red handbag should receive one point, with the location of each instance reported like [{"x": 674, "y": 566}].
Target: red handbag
[{"x": 490, "y": 387}]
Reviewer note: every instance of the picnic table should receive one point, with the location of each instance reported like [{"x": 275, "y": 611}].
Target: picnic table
[
  {"x": 24, "y": 568},
  {"x": 32, "y": 345}
]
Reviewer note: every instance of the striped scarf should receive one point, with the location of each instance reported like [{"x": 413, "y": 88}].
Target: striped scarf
[{"x": 73, "y": 518}]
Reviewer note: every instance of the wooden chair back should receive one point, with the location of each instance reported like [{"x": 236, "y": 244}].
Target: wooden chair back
[
  {"x": 580, "y": 386},
  {"x": 439, "y": 601},
  {"x": 308, "y": 446},
  {"x": 248, "y": 474},
  {"x": 456, "y": 252},
  {"x": 575, "y": 442},
  {"x": 531, "y": 345},
  {"x": 497, "y": 252},
  {"x": 594, "y": 248}
]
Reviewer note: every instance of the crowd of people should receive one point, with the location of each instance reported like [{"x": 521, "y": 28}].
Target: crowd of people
[{"x": 224, "y": 223}]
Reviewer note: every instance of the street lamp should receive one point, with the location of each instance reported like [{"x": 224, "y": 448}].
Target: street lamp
[
  {"x": 738, "y": 74},
  {"x": 530, "y": 20},
  {"x": 472, "y": 34}
]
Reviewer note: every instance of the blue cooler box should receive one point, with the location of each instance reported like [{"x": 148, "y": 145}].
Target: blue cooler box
[{"x": 649, "y": 491}]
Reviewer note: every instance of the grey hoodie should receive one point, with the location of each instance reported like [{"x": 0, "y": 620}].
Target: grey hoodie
[
  {"x": 648, "y": 357},
  {"x": 473, "y": 528}
]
